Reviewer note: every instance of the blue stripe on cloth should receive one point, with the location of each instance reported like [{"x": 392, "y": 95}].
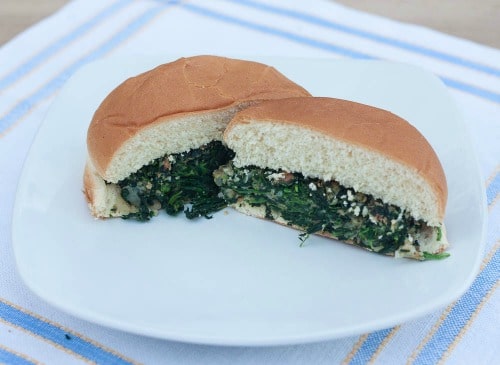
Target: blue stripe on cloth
[
  {"x": 24, "y": 106},
  {"x": 485, "y": 94},
  {"x": 482, "y": 93},
  {"x": 493, "y": 189},
  {"x": 371, "y": 344},
  {"x": 326, "y": 23},
  {"x": 277, "y": 32},
  {"x": 58, "y": 336},
  {"x": 7, "y": 357},
  {"x": 461, "y": 312},
  {"x": 59, "y": 44}
]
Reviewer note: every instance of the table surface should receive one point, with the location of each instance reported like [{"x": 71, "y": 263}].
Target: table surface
[{"x": 463, "y": 18}]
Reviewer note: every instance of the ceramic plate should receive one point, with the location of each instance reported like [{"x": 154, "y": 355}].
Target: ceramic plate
[{"x": 236, "y": 280}]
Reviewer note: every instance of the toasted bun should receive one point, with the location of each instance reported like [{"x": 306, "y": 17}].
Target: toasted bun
[
  {"x": 362, "y": 147},
  {"x": 176, "y": 107}
]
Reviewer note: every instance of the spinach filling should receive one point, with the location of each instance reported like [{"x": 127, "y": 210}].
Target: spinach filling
[
  {"x": 323, "y": 207},
  {"x": 177, "y": 182}
]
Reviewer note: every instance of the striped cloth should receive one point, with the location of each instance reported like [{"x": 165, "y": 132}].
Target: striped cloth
[{"x": 35, "y": 65}]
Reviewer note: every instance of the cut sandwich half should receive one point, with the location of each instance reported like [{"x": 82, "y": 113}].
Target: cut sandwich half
[
  {"x": 155, "y": 140},
  {"x": 339, "y": 169}
]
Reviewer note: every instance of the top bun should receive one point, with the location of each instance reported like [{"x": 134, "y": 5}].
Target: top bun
[
  {"x": 362, "y": 147},
  {"x": 176, "y": 107}
]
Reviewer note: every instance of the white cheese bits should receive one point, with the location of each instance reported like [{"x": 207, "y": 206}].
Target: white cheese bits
[{"x": 276, "y": 176}]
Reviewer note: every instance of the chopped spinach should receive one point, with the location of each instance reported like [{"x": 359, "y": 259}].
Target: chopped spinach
[
  {"x": 177, "y": 182},
  {"x": 435, "y": 256},
  {"x": 317, "y": 206}
]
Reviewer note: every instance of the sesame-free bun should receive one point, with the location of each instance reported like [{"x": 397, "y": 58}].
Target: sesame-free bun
[
  {"x": 176, "y": 107},
  {"x": 360, "y": 146}
]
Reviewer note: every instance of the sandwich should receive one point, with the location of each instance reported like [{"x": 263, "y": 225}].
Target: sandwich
[
  {"x": 155, "y": 140},
  {"x": 339, "y": 169}
]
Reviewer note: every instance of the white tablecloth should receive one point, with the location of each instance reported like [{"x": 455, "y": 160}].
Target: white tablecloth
[{"x": 35, "y": 64}]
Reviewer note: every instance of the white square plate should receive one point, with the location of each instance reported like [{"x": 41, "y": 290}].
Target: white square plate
[{"x": 236, "y": 280}]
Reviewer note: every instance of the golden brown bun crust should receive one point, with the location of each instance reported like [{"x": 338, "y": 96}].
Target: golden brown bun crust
[
  {"x": 89, "y": 185},
  {"x": 359, "y": 124},
  {"x": 188, "y": 85}
]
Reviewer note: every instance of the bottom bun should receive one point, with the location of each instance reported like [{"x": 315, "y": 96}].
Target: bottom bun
[
  {"x": 104, "y": 200},
  {"x": 430, "y": 248}
]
